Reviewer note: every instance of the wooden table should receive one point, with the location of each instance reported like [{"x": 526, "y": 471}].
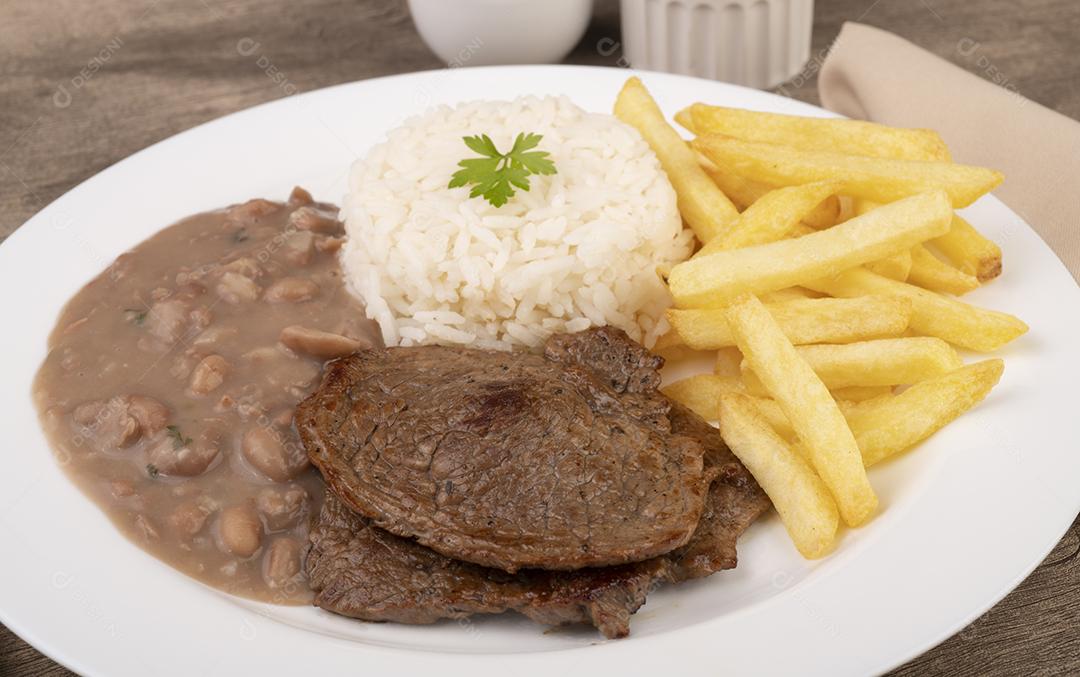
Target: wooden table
[{"x": 85, "y": 84}]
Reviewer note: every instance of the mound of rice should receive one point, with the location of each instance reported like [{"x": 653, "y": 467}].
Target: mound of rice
[{"x": 581, "y": 248}]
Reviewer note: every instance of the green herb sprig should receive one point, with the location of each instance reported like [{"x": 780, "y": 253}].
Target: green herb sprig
[
  {"x": 179, "y": 441},
  {"x": 495, "y": 175}
]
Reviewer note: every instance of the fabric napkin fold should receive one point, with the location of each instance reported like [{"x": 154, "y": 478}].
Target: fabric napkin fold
[{"x": 874, "y": 75}]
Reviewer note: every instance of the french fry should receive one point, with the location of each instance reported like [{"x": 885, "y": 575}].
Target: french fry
[
  {"x": 880, "y": 180},
  {"x": 802, "y": 500},
  {"x": 930, "y": 272},
  {"x": 711, "y": 281},
  {"x": 773, "y": 216},
  {"x": 686, "y": 120},
  {"x": 969, "y": 250},
  {"x": 957, "y": 322},
  {"x": 701, "y": 393},
  {"x": 807, "y": 404},
  {"x": 859, "y": 393},
  {"x": 886, "y": 426},
  {"x": 789, "y": 294},
  {"x": 881, "y": 362},
  {"x": 895, "y": 267},
  {"x": 854, "y": 136},
  {"x": 728, "y": 361},
  {"x": 744, "y": 192},
  {"x": 824, "y": 320},
  {"x": 702, "y": 204}
]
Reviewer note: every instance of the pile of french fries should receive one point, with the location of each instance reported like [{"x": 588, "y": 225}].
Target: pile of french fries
[{"x": 826, "y": 281}]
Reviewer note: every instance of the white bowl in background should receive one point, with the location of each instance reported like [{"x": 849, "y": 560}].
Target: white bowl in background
[
  {"x": 491, "y": 32},
  {"x": 757, "y": 43}
]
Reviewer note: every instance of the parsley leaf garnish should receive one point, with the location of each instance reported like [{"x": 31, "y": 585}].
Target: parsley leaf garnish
[
  {"x": 495, "y": 175},
  {"x": 179, "y": 441},
  {"x": 136, "y": 317}
]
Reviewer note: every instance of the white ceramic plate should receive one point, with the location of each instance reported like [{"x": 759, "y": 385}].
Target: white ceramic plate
[{"x": 965, "y": 517}]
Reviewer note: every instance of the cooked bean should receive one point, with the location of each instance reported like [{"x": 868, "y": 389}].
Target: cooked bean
[
  {"x": 214, "y": 335},
  {"x": 299, "y": 248},
  {"x": 299, "y": 196},
  {"x": 245, "y": 265},
  {"x": 235, "y": 288},
  {"x": 209, "y": 374},
  {"x": 107, "y": 425},
  {"x": 175, "y": 457},
  {"x": 250, "y": 211},
  {"x": 188, "y": 518},
  {"x": 282, "y": 508},
  {"x": 151, "y": 414},
  {"x": 273, "y": 455},
  {"x": 321, "y": 344},
  {"x": 291, "y": 290},
  {"x": 329, "y": 245},
  {"x": 239, "y": 530},
  {"x": 166, "y": 320},
  {"x": 281, "y": 562},
  {"x": 309, "y": 218}
]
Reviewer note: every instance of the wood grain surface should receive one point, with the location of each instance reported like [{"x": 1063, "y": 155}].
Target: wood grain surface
[{"x": 85, "y": 84}]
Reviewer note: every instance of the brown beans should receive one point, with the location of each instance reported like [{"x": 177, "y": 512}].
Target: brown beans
[
  {"x": 173, "y": 455},
  {"x": 299, "y": 196},
  {"x": 291, "y": 290},
  {"x": 250, "y": 211},
  {"x": 239, "y": 530},
  {"x": 320, "y": 344},
  {"x": 299, "y": 248},
  {"x": 209, "y": 374},
  {"x": 246, "y": 266},
  {"x": 282, "y": 508},
  {"x": 234, "y": 288},
  {"x": 281, "y": 563},
  {"x": 151, "y": 414},
  {"x": 188, "y": 518},
  {"x": 272, "y": 454},
  {"x": 107, "y": 425},
  {"x": 167, "y": 320},
  {"x": 309, "y": 218}
]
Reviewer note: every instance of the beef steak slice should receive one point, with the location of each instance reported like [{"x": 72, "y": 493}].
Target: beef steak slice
[
  {"x": 511, "y": 460},
  {"x": 362, "y": 571}
]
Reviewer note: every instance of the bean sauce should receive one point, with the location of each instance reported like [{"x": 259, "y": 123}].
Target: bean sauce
[{"x": 169, "y": 388}]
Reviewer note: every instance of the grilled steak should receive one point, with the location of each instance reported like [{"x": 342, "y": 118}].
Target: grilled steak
[
  {"x": 511, "y": 460},
  {"x": 360, "y": 570},
  {"x": 357, "y": 569}
]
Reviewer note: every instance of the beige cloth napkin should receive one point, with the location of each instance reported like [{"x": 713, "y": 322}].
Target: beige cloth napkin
[{"x": 874, "y": 75}]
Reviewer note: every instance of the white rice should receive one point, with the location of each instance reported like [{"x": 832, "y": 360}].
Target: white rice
[{"x": 581, "y": 248}]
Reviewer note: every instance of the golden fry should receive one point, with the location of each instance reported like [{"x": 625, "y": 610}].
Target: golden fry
[
  {"x": 876, "y": 179},
  {"x": 881, "y": 362},
  {"x": 823, "y": 320},
  {"x": 969, "y": 250},
  {"x": 853, "y": 136},
  {"x": 957, "y": 322},
  {"x": 806, "y": 402},
  {"x": 701, "y": 393},
  {"x": 895, "y": 267},
  {"x": 930, "y": 272},
  {"x": 704, "y": 206},
  {"x": 744, "y": 192},
  {"x": 711, "y": 281},
  {"x": 886, "y": 426},
  {"x": 802, "y": 500},
  {"x": 773, "y": 216}
]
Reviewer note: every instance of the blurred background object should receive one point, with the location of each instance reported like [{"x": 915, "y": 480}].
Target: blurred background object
[
  {"x": 491, "y": 32},
  {"x": 757, "y": 43}
]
